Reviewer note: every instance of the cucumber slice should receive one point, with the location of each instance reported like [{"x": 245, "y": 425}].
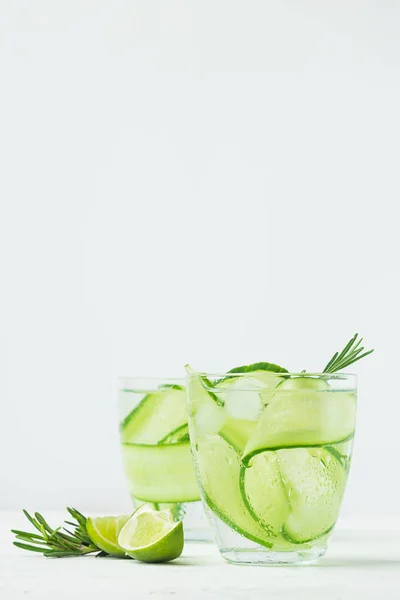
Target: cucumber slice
[
  {"x": 300, "y": 417},
  {"x": 157, "y": 415},
  {"x": 342, "y": 452},
  {"x": 208, "y": 415},
  {"x": 295, "y": 384},
  {"x": 177, "y": 436},
  {"x": 162, "y": 473},
  {"x": 315, "y": 481},
  {"x": 296, "y": 492},
  {"x": 237, "y": 432},
  {"x": 218, "y": 467},
  {"x": 197, "y": 389},
  {"x": 208, "y": 420},
  {"x": 265, "y": 495}
]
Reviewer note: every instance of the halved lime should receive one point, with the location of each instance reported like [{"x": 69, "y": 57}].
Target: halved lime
[
  {"x": 104, "y": 532},
  {"x": 152, "y": 536}
]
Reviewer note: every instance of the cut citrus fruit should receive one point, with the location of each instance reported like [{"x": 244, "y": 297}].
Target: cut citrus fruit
[
  {"x": 152, "y": 536},
  {"x": 104, "y": 532}
]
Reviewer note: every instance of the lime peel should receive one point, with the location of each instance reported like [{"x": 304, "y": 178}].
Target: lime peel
[
  {"x": 152, "y": 536},
  {"x": 104, "y": 532}
]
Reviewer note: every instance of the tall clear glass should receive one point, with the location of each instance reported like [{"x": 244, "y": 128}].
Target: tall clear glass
[
  {"x": 272, "y": 454},
  {"x": 156, "y": 450}
]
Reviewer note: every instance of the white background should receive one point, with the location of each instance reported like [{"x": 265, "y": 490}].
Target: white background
[{"x": 211, "y": 182}]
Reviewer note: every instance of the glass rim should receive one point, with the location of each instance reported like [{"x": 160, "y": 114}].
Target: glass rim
[
  {"x": 336, "y": 375},
  {"x": 349, "y": 381},
  {"x": 147, "y": 384}
]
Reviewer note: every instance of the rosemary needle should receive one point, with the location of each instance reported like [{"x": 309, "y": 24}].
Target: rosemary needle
[
  {"x": 59, "y": 542},
  {"x": 352, "y": 352}
]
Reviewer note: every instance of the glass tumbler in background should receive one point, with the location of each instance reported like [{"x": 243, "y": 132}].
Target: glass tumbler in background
[
  {"x": 156, "y": 450},
  {"x": 272, "y": 453}
]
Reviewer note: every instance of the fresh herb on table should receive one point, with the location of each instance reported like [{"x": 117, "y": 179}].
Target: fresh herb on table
[{"x": 59, "y": 542}]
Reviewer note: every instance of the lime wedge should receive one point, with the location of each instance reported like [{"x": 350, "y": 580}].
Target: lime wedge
[
  {"x": 152, "y": 536},
  {"x": 104, "y": 532}
]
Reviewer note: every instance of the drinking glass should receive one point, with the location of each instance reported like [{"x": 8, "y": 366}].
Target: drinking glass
[
  {"x": 272, "y": 453},
  {"x": 156, "y": 450}
]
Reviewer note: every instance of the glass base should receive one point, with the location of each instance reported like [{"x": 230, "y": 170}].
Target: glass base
[
  {"x": 195, "y": 524},
  {"x": 239, "y": 550},
  {"x": 263, "y": 557}
]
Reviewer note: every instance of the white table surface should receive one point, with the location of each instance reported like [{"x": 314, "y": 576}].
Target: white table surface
[{"x": 363, "y": 562}]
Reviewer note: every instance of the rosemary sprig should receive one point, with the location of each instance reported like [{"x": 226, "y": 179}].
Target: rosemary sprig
[
  {"x": 352, "y": 352},
  {"x": 59, "y": 542}
]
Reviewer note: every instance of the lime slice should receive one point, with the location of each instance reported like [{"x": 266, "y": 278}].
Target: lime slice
[
  {"x": 152, "y": 536},
  {"x": 104, "y": 532}
]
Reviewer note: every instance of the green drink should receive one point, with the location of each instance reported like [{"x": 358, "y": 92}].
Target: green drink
[
  {"x": 272, "y": 452},
  {"x": 156, "y": 450}
]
